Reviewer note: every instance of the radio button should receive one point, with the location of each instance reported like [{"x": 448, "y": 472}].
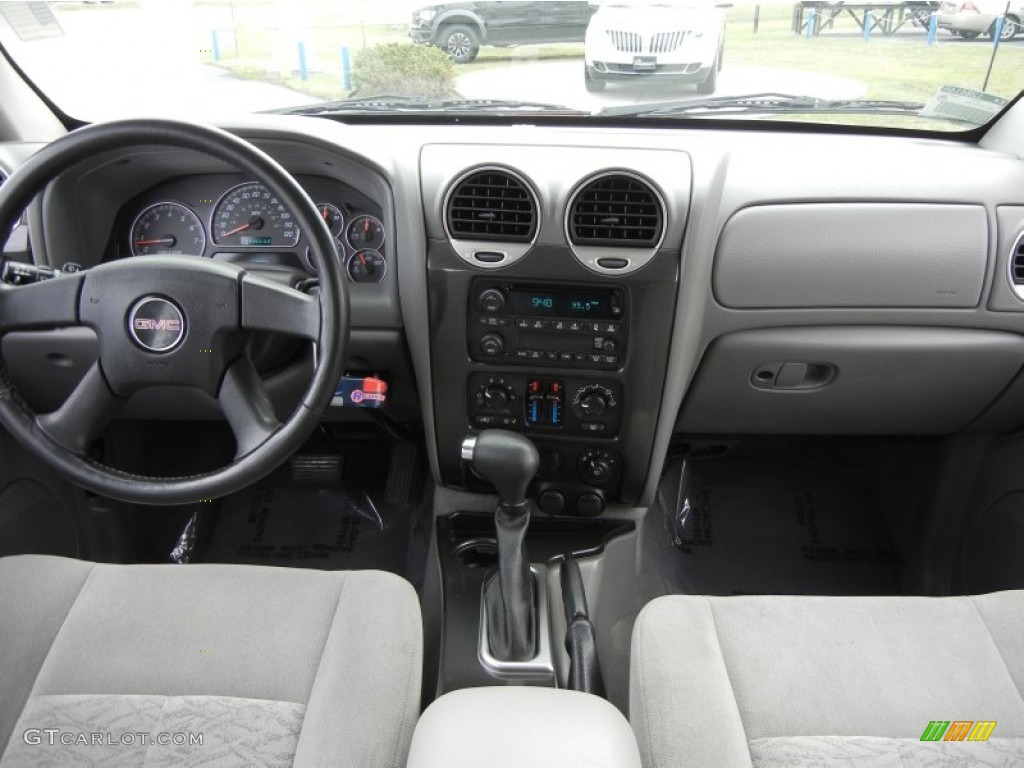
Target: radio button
[
  {"x": 522, "y": 322},
  {"x": 551, "y": 355},
  {"x": 539, "y": 325},
  {"x": 559, "y": 325},
  {"x": 576, "y": 326},
  {"x": 566, "y": 357},
  {"x": 522, "y": 354}
]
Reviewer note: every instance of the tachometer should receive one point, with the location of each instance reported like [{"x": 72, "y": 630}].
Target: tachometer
[
  {"x": 167, "y": 229},
  {"x": 251, "y": 215}
]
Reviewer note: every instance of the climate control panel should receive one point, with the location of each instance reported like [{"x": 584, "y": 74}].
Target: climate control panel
[{"x": 544, "y": 403}]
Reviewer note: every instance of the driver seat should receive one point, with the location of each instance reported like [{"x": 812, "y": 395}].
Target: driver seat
[{"x": 269, "y": 666}]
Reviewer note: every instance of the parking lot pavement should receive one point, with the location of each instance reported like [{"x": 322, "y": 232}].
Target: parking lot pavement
[{"x": 561, "y": 82}]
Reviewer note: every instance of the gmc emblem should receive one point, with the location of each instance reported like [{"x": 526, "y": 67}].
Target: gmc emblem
[
  {"x": 145, "y": 324},
  {"x": 156, "y": 324}
]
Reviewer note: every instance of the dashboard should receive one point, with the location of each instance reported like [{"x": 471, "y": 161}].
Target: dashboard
[{"x": 604, "y": 291}]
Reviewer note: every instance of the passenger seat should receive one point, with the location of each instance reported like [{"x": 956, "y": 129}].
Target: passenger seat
[{"x": 789, "y": 681}]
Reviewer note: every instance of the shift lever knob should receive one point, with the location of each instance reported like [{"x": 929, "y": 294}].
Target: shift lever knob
[{"x": 506, "y": 459}]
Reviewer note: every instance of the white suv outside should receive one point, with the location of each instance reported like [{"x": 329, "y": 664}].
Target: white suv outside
[{"x": 643, "y": 40}]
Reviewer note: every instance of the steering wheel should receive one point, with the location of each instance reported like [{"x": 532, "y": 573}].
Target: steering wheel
[{"x": 172, "y": 320}]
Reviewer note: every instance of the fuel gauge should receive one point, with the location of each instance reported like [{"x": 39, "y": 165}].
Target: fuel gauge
[
  {"x": 367, "y": 266},
  {"x": 365, "y": 232},
  {"x": 332, "y": 217}
]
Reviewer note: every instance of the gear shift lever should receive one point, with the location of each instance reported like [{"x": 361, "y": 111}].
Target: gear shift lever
[{"x": 509, "y": 461}]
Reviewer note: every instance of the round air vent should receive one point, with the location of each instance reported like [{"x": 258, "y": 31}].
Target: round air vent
[
  {"x": 1017, "y": 262},
  {"x": 616, "y": 210},
  {"x": 491, "y": 204}
]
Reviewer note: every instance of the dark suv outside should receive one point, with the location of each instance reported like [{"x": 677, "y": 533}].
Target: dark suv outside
[{"x": 460, "y": 28}]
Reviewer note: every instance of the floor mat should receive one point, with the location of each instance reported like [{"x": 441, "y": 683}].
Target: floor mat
[
  {"x": 326, "y": 528},
  {"x": 794, "y": 524}
]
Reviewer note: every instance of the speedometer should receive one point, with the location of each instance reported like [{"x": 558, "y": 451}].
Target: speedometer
[{"x": 251, "y": 215}]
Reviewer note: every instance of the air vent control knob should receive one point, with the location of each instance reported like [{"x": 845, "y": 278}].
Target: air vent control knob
[{"x": 593, "y": 401}]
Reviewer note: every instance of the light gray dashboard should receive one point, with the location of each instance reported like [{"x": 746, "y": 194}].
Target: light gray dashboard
[{"x": 885, "y": 259}]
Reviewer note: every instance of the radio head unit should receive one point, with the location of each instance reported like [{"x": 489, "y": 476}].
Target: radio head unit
[{"x": 566, "y": 326}]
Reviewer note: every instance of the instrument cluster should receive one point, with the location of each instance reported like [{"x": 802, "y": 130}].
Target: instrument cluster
[{"x": 226, "y": 216}]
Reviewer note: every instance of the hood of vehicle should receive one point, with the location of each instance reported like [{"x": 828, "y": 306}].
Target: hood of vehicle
[{"x": 655, "y": 18}]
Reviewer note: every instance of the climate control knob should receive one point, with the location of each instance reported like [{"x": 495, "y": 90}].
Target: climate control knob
[
  {"x": 496, "y": 397},
  {"x": 593, "y": 401},
  {"x": 492, "y": 345}
]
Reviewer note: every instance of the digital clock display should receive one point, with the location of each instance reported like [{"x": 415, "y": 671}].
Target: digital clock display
[
  {"x": 250, "y": 240},
  {"x": 597, "y": 304}
]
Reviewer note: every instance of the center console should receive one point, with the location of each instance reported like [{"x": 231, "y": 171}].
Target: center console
[{"x": 552, "y": 291}]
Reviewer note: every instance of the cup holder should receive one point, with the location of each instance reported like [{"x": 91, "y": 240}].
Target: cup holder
[{"x": 477, "y": 553}]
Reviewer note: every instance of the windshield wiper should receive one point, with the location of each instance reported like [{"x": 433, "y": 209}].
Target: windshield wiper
[
  {"x": 416, "y": 105},
  {"x": 761, "y": 103}
]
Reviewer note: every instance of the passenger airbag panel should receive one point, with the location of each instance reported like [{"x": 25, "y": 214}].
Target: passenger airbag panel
[{"x": 852, "y": 255}]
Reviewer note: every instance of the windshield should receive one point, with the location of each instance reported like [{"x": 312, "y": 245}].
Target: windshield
[{"x": 911, "y": 64}]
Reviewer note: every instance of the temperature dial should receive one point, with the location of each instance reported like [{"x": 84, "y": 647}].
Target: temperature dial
[
  {"x": 365, "y": 232},
  {"x": 593, "y": 400},
  {"x": 367, "y": 266}
]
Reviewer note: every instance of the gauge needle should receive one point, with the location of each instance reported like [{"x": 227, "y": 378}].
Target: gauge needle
[
  {"x": 236, "y": 230},
  {"x": 160, "y": 241},
  {"x": 326, "y": 214}
]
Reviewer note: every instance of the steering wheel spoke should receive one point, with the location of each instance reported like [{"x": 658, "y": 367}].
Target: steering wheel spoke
[
  {"x": 247, "y": 407},
  {"x": 84, "y": 414},
  {"x": 41, "y": 306},
  {"x": 267, "y": 305}
]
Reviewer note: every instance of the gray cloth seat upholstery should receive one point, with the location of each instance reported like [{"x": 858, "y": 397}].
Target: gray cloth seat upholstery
[
  {"x": 271, "y": 666},
  {"x": 836, "y": 681}
]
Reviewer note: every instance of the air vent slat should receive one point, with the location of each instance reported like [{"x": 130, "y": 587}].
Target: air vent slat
[
  {"x": 617, "y": 211},
  {"x": 492, "y": 205}
]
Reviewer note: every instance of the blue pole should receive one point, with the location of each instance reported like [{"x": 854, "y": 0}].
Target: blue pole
[
  {"x": 303, "y": 72},
  {"x": 215, "y": 44},
  {"x": 868, "y": 22},
  {"x": 998, "y": 31},
  {"x": 346, "y": 69},
  {"x": 810, "y": 23},
  {"x": 933, "y": 28}
]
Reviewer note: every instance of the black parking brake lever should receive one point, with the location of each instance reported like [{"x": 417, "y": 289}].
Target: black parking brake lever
[{"x": 580, "y": 641}]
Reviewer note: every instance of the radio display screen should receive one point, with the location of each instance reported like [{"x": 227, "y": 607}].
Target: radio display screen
[{"x": 561, "y": 304}]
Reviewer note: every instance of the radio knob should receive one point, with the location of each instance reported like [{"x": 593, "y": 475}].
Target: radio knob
[
  {"x": 492, "y": 345},
  {"x": 491, "y": 300}
]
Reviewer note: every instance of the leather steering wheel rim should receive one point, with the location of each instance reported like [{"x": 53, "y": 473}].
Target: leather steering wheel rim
[{"x": 261, "y": 306}]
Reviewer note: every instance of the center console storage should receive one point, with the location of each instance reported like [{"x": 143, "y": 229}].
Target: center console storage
[{"x": 511, "y": 727}]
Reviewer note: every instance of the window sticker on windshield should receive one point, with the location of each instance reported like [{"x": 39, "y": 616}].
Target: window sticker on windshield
[{"x": 956, "y": 103}]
